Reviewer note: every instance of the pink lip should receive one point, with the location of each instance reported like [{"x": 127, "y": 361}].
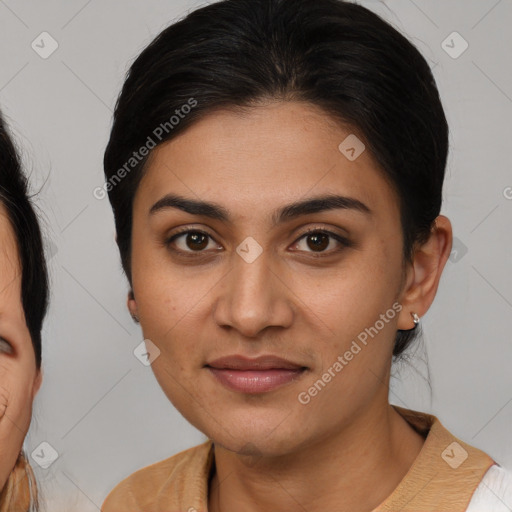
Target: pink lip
[{"x": 259, "y": 375}]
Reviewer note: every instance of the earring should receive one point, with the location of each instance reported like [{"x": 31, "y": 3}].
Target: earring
[{"x": 415, "y": 319}]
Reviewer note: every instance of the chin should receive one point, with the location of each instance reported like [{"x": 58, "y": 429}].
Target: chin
[{"x": 251, "y": 434}]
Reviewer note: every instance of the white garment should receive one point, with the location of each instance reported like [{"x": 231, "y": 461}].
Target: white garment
[{"x": 494, "y": 493}]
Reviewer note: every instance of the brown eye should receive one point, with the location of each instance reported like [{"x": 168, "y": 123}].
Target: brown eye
[
  {"x": 318, "y": 241},
  {"x": 190, "y": 241},
  {"x": 196, "y": 241}
]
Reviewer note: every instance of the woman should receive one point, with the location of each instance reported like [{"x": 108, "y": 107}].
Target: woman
[
  {"x": 275, "y": 168},
  {"x": 23, "y": 304}
]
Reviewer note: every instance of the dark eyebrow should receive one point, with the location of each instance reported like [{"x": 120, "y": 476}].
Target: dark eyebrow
[{"x": 286, "y": 213}]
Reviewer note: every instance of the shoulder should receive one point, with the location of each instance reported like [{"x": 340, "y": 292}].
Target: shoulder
[
  {"x": 494, "y": 493},
  {"x": 141, "y": 490}
]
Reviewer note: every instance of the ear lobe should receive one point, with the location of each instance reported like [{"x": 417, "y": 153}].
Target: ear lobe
[
  {"x": 37, "y": 383},
  {"x": 132, "y": 306},
  {"x": 425, "y": 273}
]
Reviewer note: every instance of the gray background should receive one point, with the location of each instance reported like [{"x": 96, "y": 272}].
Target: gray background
[{"x": 99, "y": 407}]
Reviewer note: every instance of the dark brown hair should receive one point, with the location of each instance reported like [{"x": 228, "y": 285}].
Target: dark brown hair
[
  {"x": 14, "y": 195},
  {"x": 333, "y": 54}
]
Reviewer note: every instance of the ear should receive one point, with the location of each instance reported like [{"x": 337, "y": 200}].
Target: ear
[
  {"x": 132, "y": 305},
  {"x": 37, "y": 382},
  {"x": 424, "y": 274}
]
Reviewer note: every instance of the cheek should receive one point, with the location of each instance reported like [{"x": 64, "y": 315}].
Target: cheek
[
  {"x": 16, "y": 393},
  {"x": 351, "y": 299},
  {"x": 170, "y": 299},
  {"x": 373, "y": 280},
  {"x": 169, "y": 318},
  {"x": 347, "y": 307},
  {"x": 161, "y": 288}
]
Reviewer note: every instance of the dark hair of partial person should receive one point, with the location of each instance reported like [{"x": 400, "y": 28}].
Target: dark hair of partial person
[
  {"x": 336, "y": 55},
  {"x": 14, "y": 195}
]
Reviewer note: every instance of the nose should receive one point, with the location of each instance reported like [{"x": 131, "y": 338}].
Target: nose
[{"x": 254, "y": 296}]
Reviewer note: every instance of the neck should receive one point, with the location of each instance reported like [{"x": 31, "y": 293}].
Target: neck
[{"x": 354, "y": 470}]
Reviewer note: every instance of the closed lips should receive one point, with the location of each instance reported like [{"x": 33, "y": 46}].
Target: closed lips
[
  {"x": 252, "y": 376},
  {"x": 237, "y": 362}
]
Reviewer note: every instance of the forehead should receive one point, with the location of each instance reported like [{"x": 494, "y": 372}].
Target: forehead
[{"x": 264, "y": 155}]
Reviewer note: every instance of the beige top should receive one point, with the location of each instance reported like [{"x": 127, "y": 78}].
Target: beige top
[{"x": 442, "y": 478}]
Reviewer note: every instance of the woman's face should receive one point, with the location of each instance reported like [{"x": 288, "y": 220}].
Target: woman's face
[
  {"x": 255, "y": 283},
  {"x": 19, "y": 377}
]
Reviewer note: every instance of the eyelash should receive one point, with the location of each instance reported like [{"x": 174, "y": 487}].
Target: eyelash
[{"x": 194, "y": 254}]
